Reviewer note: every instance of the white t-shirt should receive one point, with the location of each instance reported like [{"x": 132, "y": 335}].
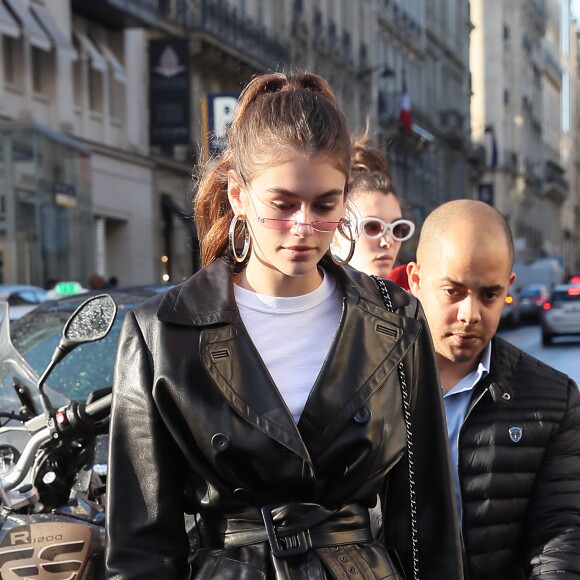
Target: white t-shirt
[{"x": 292, "y": 335}]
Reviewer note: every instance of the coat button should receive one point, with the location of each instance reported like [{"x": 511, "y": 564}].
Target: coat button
[
  {"x": 220, "y": 442},
  {"x": 363, "y": 415}
]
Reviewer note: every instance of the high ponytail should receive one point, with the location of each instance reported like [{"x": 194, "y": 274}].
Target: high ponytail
[
  {"x": 276, "y": 114},
  {"x": 370, "y": 169}
]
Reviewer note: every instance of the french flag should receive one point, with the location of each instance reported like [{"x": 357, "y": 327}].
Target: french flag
[{"x": 405, "y": 119}]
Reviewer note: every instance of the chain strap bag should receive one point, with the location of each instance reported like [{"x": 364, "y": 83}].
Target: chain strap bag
[{"x": 409, "y": 435}]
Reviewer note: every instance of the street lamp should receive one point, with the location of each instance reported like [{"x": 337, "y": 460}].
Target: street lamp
[{"x": 371, "y": 75}]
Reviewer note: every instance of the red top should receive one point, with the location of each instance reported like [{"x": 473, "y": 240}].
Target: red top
[{"x": 399, "y": 275}]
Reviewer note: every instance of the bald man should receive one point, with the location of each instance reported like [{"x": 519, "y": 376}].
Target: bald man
[{"x": 513, "y": 422}]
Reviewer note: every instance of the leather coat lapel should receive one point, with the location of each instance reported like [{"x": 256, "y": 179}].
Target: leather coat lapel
[
  {"x": 350, "y": 375},
  {"x": 231, "y": 359},
  {"x": 228, "y": 354}
]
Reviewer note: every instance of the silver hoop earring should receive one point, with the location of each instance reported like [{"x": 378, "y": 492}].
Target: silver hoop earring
[
  {"x": 232, "y": 238},
  {"x": 346, "y": 232}
]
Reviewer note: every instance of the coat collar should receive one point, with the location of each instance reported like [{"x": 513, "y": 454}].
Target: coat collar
[
  {"x": 502, "y": 376},
  {"x": 207, "y": 297},
  {"x": 368, "y": 347}
]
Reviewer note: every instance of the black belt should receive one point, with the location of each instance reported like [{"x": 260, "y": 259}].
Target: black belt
[{"x": 291, "y": 529}]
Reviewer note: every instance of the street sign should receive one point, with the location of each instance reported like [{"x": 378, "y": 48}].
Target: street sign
[
  {"x": 218, "y": 111},
  {"x": 169, "y": 91}
]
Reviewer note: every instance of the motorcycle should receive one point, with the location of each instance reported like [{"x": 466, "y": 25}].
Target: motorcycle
[{"x": 51, "y": 496}]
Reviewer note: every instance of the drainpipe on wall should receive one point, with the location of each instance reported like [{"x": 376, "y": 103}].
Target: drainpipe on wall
[{"x": 100, "y": 247}]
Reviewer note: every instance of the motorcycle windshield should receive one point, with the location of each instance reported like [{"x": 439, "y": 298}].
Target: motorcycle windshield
[{"x": 15, "y": 372}]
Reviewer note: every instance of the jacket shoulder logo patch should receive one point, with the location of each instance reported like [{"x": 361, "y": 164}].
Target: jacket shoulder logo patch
[{"x": 516, "y": 434}]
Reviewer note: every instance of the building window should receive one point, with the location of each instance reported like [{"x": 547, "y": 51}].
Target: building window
[
  {"x": 117, "y": 97},
  {"x": 12, "y": 61},
  {"x": 96, "y": 90},
  {"x": 78, "y": 82},
  {"x": 112, "y": 50},
  {"x": 42, "y": 71}
]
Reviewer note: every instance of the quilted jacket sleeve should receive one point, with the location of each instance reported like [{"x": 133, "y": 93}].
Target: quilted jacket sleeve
[
  {"x": 554, "y": 514},
  {"x": 138, "y": 494}
]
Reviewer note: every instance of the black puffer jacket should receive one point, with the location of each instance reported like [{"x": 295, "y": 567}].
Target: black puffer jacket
[{"x": 519, "y": 466}]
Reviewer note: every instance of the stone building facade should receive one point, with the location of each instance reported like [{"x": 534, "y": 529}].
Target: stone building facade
[
  {"x": 98, "y": 162},
  {"x": 524, "y": 71}
]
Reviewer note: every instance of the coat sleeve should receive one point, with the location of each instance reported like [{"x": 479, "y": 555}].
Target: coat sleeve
[
  {"x": 553, "y": 540},
  {"x": 438, "y": 540},
  {"x": 146, "y": 536}
]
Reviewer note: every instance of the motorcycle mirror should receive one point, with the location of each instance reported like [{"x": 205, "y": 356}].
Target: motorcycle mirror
[{"x": 91, "y": 321}]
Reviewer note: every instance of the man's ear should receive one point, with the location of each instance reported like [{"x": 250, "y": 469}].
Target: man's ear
[
  {"x": 512, "y": 278},
  {"x": 235, "y": 193},
  {"x": 414, "y": 276}
]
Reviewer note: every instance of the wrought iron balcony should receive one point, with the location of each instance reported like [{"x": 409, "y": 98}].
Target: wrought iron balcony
[
  {"x": 119, "y": 14},
  {"x": 537, "y": 10},
  {"x": 555, "y": 185},
  {"x": 246, "y": 36},
  {"x": 552, "y": 66}
]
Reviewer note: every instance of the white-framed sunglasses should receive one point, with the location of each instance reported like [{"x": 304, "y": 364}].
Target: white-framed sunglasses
[{"x": 373, "y": 227}]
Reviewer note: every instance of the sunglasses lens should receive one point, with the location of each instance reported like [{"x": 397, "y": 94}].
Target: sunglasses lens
[
  {"x": 372, "y": 228},
  {"x": 401, "y": 231},
  {"x": 324, "y": 226},
  {"x": 274, "y": 224}
]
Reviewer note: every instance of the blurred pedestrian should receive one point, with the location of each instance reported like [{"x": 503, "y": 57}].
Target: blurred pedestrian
[
  {"x": 513, "y": 422},
  {"x": 96, "y": 282},
  {"x": 262, "y": 394},
  {"x": 50, "y": 287}
]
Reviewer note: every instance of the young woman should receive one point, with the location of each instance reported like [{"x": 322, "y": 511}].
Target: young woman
[
  {"x": 262, "y": 395},
  {"x": 378, "y": 210}
]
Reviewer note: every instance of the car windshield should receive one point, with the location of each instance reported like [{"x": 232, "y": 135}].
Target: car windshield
[{"x": 87, "y": 368}]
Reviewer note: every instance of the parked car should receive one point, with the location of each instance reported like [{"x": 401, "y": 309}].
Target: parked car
[
  {"x": 36, "y": 335},
  {"x": 561, "y": 313},
  {"x": 21, "y": 298},
  {"x": 532, "y": 298},
  {"x": 510, "y": 315}
]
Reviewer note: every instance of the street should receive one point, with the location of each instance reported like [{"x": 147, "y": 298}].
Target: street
[{"x": 563, "y": 355}]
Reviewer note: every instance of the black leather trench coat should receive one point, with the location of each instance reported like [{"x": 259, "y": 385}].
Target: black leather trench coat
[{"x": 198, "y": 426}]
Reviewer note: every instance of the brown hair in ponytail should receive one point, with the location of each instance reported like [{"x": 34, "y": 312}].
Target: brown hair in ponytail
[
  {"x": 276, "y": 113},
  {"x": 370, "y": 168}
]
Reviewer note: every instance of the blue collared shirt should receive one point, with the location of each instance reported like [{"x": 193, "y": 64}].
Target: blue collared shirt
[{"x": 457, "y": 401}]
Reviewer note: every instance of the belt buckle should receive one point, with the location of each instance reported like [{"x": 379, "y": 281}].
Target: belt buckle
[{"x": 298, "y": 539}]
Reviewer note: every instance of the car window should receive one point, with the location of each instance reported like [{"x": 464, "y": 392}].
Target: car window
[
  {"x": 22, "y": 297},
  {"x": 530, "y": 292},
  {"x": 564, "y": 296},
  {"x": 87, "y": 368}
]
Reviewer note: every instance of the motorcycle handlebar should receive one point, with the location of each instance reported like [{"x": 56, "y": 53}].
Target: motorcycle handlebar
[
  {"x": 103, "y": 404},
  {"x": 19, "y": 471}
]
